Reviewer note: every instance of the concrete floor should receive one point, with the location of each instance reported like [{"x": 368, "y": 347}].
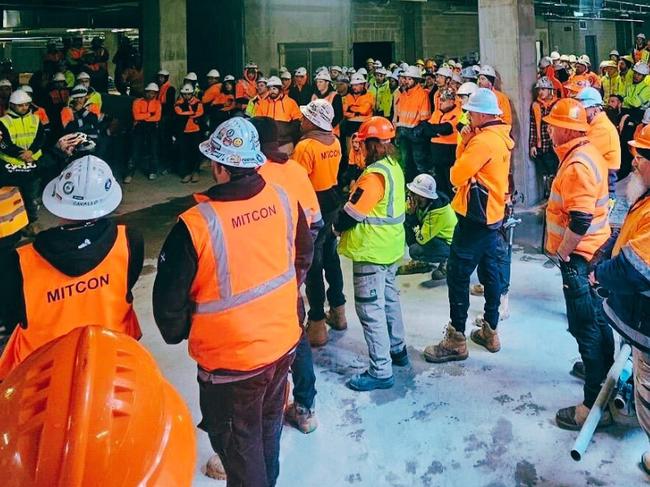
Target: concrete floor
[{"x": 488, "y": 421}]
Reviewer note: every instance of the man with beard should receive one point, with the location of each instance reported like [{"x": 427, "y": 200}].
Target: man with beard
[
  {"x": 246, "y": 87},
  {"x": 380, "y": 89},
  {"x": 639, "y": 47},
  {"x": 637, "y": 95},
  {"x": 284, "y": 111}
]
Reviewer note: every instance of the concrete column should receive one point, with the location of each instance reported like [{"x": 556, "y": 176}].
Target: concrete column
[
  {"x": 507, "y": 39},
  {"x": 164, "y": 38}
]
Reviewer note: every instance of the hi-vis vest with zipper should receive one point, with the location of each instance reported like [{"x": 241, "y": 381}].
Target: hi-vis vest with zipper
[
  {"x": 564, "y": 192},
  {"x": 22, "y": 131},
  {"x": 245, "y": 288},
  {"x": 379, "y": 237},
  {"x": 56, "y": 303},
  {"x": 13, "y": 216}
]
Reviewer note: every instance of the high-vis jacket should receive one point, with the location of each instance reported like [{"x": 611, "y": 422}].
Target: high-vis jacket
[
  {"x": 579, "y": 186},
  {"x": 378, "y": 204},
  {"x": 210, "y": 94},
  {"x": 320, "y": 159},
  {"x": 451, "y": 117},
  {"x": 480, "y": 175},
  {"x": 538, "y": 136},
  {"x": 13, "y": 216},
  {"x": 358, "y": 108},
  {"x": 245, "y": 293},
  {"x": 189, "y": 112},
  {"x": 504, "y": 105},
  {"x": 603, "y": 134},
  {"x": 412, "y": 107},
  {"x": 282, "y": 109},
  {"x": 609, "y": 86},
  {"x": 56, "y": 303},
  {"x": 637, "y": 95},
  {"x": 383, "y": 98},
  {"x": 146, "y": 111},
  {"x": 23, "y": 131}
]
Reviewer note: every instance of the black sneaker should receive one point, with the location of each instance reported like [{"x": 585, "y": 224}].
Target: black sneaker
[{"x": 401, "y": 358}]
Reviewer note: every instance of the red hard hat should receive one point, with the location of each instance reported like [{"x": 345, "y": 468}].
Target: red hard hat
[
  {"x": 376, "y": 128},
  {"x": 92, "y": 408},
  {"x": 568, "y": 113}
]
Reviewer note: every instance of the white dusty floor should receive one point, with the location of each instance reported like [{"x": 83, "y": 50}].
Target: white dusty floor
[{"x": 488, "y": 421}]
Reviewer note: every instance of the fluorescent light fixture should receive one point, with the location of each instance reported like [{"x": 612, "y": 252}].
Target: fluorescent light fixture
[{"x": 578, "y": 14}]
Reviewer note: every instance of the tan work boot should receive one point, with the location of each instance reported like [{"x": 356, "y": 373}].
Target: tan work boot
[
  {"x": 486, "y": 337},
  {"x": 317, "y": 333},
  {"x": 477, "y": 290},
  {"x": 214, "y": 468},
  {"x": 336, "y": 318},
  {"x": 453, "y": 347},
  {"x": 301, "y": 418}
]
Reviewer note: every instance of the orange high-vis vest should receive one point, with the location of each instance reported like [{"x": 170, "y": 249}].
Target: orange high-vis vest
[
  {"x": 144, "y": 110},
  {"x": 450, "y": 117},
  {"x": 245, "y": 289},
  {"x": 282, "y": 109},
  {"x": 211, "y": 94},
  {"x": 412, "y": 107},
  {"x": 320, "y": 161},
  {"x": 362, "y": 104},
  {"x": 162, "y": 94},
  {"x": 580, "y": 185},
  {"x": 56, "y": 303},
  {"x": 42, "y": 114}
]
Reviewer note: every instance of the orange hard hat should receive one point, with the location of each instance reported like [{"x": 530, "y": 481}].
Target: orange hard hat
[
  {"x": 568, "y": 113},
  {"x": 92, "y": 408},
  {"x": 376, "y": 128},
  {"x": 642, "y": 139}
]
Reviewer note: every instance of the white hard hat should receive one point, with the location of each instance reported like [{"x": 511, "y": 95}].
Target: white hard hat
[
  {"x": 646, "y": 117},
  {"x": 251, "y": 65},
  {"x": 555, "y": 56},
  {"x": 565, "y": 57},
  {"x": 641, "y": 68},
  {"x": 357, "y": 79},
  {"x": 487, "y": 70},
  {"x": 320, "y": 113},
  {"x": 572, "y": 58},
  {"x": 467, "y": 89},
  {"x": 85, "y": 190},
  {"x": 614, "y": 52},
  {"x": 336, "y": 68},
  {"x": 445, "y": 71},
  {"x": 27, "y": 89},
  {"x": 228, "y": 77},
  {"x": 187, "y": 88},
  {"x": 19, "y": 97},
  {"x": 191, "y": 76},
  {"x": 234, "y": 143},
  {"x": 584, "y": 60},
  {"x": 545, "y": 62},
  {"x": 274, "y": 81},
  {"x": 413, "y": 72},
  {"x": 163, "y": 72},
  {"x": 457, "y": 78},
  {"x": 78, "y": 91},
  {"x": 424, "y": 185},
  {"x": 301, "y": 72},
  {"x": 468, "y": 73},
  {"x": 152, "y": 87},
  {"x": 83, "y": 75},
  {"x": 377, "y": 64},
  {"x": 57, "y": 77},
  {"x": 483, "y": 101},
  {"x": 262, "y": 79},
  {"x": 641, "y": 35},
  {"x": 213, "y": 73},
  {"x": 362, "y": 71},
  {"x": 544, "y": 83},
  {"x": 323, "y": 75},
  {"x": 283, "y": 69},
  {"x": 285, "y": 75}
]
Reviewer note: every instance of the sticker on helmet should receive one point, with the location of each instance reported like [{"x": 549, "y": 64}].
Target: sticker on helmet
[{"x": 68, "y": 187}]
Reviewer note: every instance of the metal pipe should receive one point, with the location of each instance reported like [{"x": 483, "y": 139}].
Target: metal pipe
[{"x": 596, "y": 411}]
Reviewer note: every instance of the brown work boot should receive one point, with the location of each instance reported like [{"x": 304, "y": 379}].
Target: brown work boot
[
  {"x": 486, "y": 337},
  {"x": 317, "y": 333},
  {"x": 336, "y": 318},
  {"x": 573, "y": 417},
  {"x": 301, "y": 418},
  {"x": 214, "y": 468},
  {"x": 453, "y": 347},
  {"x": 477, "y": 290}
]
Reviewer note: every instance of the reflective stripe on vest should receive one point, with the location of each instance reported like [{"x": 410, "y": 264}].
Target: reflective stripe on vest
[
  {"x": 227, "y": 299},
  {"x": 390, "y": 218},
  {"x": 22, "y": 131}
]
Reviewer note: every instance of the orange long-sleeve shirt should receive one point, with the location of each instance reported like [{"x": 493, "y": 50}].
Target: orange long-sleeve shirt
[
  {"x": 146, "y": 110},
  {"x": 504, "y": 105}
]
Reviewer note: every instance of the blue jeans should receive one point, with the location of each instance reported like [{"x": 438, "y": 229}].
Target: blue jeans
[
  {"x": 434, "y": 251},
  {"x": 302, "y": 373},
  {"x": 414, "y": 154}
]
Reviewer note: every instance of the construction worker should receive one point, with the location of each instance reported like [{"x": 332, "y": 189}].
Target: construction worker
[
  {"x": 638, "y": 52},
  {"x": 610, "y": 80},
  {"x": 94, "y": 97},
  {"x": 284, "y": 111},
  {"x": 262, "y": 94},
  {"x": 97, "y": 62},
  {"x": 480, "y": 177},
  {"x": 210, "y": 95},
  {"x": 5, "y": 92},
  {"x": 301, "y": 91},
  {"x": 39, "y": 111},
  {"x": 246, "y": 88},
  {"x": 325, "y": 91},
  {"x": 291, "y": 176},
  {"x": 247, "y": 290},
  {"x": 191, "y": 78},
  {"x": 287, "y": 82},
  {"x": 625, "y": 76},
  {"x": 577, "y": 227},
  {"x": 637, "y": 95},
  {"x": 372, "y": 236},
  {"x": 626, "y": 276},
  {"x": 83, "y": 116},
  {"x": 342, "y": 86},
  {"x": 547, "y": 70},
  {"x": 539, "y": 142},
  {"x": 77, "y": 274},
  {"x": 486, "y": 79},
  {"x": 380, "y": 90},
  {"x": 74, "y": 57},
  {"x": 462, "y": 96},
  {"x": 319, "y": 153},
  {"x": 58, "y": 97},
  {"x": 443, "y": 78},
  {"x": 167, "y": 98},
  {"x": 146, "y": 117},
  {"x": 188, "y": 109},
  {"x": 102, "y": 397},
  {"x": 603, "y": 134},
  {"x": 411, "y": 108}
]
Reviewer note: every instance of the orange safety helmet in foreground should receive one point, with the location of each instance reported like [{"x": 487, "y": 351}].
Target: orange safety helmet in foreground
[
  {"x": 569, "y": 114},
  {"x": 91, "y": 408},
  {"x": 376, "y": 128}
]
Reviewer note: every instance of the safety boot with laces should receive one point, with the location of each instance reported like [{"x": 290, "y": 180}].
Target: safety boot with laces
[
  {"x": 453, "y": 347},
  {"x": 317, "y": 333},
  {"x": 336, "y": 318},
  {"x": 486, "y": 337}
]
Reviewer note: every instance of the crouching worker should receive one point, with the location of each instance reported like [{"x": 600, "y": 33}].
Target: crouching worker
[
  {"x": 429, "y": 227},
  {"x": 77, "y": 274}
]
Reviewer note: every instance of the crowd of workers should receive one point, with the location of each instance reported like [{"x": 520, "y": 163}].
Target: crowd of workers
[{"x": 361, "y": 163}]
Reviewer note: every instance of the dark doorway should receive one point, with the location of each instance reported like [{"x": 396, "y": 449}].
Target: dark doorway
[
  {"x": 375, "y": 50},
  {"x": 591, "y": 49}
]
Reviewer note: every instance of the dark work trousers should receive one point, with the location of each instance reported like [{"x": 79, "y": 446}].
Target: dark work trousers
[
  {"x": 188, "y": 146},
  {"x": 302, "y": 373},
  {"x": 145, "y": 148},
  {"x": 30, "y": 189},
  {"x": 504, "y": 258},
  {"x": 244, "y": 422},
  {"x": 165, "y": 143},
  {"x": 546, "y": 164},
  {"x": 414, "y": 154},
  {"x": 434, "y": 251},
  {"x": 443, "y": 157},
  {"x": 587, "y": 324},
  {"x": 473, "y": 245},
  {"x": 326, "y": 259}
]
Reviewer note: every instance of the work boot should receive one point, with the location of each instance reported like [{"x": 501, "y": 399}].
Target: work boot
[
  {"x": 401, "y": 358},
  {"x": 301, "y": 418},
  {"x": 573, "y": 417},
  {"x": 366, "y": 382},
  {"x": 645, "y": 462},
  {"x": 414, "y": 267},
  {"x": 186, "y": 179},
  {"x": 451, "y": 348},
  {"x": 336, "y": 318},
  {"x": 476, "y": 290},
  {"x": 440, "y": 272},
  {"x": 214, "y": 468},
  {"x": 578, "y": 370},
  {"x": 486, "y": 337},
  {"x": 317, "y": 333},
  {"x": 195, "y": 177},
  {"x": 504, "y": 307},
  {"x": 128, "y": 179}
]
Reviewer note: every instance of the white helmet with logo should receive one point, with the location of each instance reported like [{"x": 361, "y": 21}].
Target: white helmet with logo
[
  {"x": 234, "y": 143},
  {"x": 424, "y": 185},
  {"x": 357, "y": 79},
  {"x": 187, "y": 89},
  {"x": 82, "y": 76},
  {"x": 467, "y": 89},
  {"x": 320, "y": 113},
  {"x": 85, "y": 190},
  {"x": 191, "y": 76}
]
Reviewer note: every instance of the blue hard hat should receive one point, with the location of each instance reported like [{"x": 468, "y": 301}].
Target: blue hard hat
[
  {"x": 483, "y": 101},
  {"x": 590, "y": 97}
]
